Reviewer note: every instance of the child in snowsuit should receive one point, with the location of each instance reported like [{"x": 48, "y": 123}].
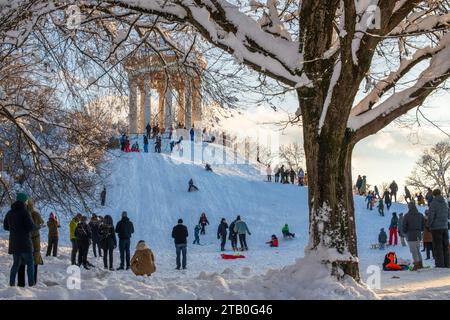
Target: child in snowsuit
[
  {"x": 382, "y": 238},
  {"x": 196, "y": 234},
  {"x": 273, "y": 242},
  {"x": 381, "y": 207},
  {"x": 203, "y": 222},
  {"x": 286, "y": 233}
]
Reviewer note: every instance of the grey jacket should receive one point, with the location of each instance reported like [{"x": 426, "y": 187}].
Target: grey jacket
[
  {"x": 240, "y": 227},
  {"x": 438, "y": 214},
  {"x": 400, "y": 226},
  {"x": 413, "y": 223}
]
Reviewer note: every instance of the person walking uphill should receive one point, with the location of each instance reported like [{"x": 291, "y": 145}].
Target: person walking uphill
[
  {"x": 233, "y": 236},
  {"x": 240, "y": 227},
  {"x": 124, "y": 230},
  {"x": 143, "y": 261},
  {"x": 222, "y": 233},
  {"x": 393, "y": 229},
  {"x": 180, "y": 234},
  {"x": 438, "y": 222},
  {"x": 72, "y": 226},
  {"x": 53, "y": 235},
  {"x": 203, "y": 221},
  {"x": 107, "y": 241},
  {"x": 413, "y": 225},
  {"x": 197, "y": 234},
  {"x": 20, "y": 225}
]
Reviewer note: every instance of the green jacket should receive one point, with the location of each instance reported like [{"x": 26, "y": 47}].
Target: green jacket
[
  {"x": 285, "y": 229},
  {"x": 73, "y": 226}
]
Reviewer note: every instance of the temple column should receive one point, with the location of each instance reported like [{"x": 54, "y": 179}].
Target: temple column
[
  {"x": 133, "y": 112},
  {"x": 196, "y": 105},
  {"x": 181, "y": 106},
  {"x": 147, "y": 101},
  {"x": 168, "y": 117},
  {"x": 160, "y": 107},
  {"x": 141, "y": 126},
  {"x": 188, "y": 105}
]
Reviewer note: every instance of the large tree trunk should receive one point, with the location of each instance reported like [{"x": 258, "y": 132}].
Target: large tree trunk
[{"x": 331, "y": 209}]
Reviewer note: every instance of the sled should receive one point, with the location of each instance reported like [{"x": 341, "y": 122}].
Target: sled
[
  {"x": 231, "y": 256},
  {"x": 404, "y": 267}
]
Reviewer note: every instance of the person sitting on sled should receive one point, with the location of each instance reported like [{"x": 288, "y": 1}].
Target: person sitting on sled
[
  {"x": 273, "y": 242},
  {"x": 286, "y": 233}
]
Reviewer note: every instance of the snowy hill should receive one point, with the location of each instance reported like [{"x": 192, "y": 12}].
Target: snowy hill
[{"x": 152, "y": 188}]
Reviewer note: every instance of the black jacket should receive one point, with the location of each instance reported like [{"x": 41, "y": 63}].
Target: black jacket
[
  {"x": 232, "y": 233},
  {"x": 180, "y": 234},
  {"x": 20, "y": 225},
  {"x": 83, "y": 232},
  {"x": 94, "y": 225},
  {"x": 107, "y": 236},
  {"x": 222, "y": 230},
  {"x": 124, "y": 228}
]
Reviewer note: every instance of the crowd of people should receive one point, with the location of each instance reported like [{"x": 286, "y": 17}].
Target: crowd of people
[{"x": 287, "y": 176}]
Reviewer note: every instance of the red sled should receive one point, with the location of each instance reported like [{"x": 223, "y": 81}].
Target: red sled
[{"x": 231, "y": 256}]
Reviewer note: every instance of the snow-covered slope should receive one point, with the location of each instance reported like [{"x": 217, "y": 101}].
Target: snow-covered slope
[{"x": 152, "y": 188}]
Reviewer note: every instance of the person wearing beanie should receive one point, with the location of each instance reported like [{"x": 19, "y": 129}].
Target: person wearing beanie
[
  {"x": 180, "y": 234},
  {"x": 20, "y": 225},
  {"x": 124, "y": 230}
]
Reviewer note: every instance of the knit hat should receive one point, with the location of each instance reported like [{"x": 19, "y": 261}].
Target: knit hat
[
  {"x": 22, "y": 197},
  {"x": 124, "y": 214},
  {"x": 180, "y": 220}
]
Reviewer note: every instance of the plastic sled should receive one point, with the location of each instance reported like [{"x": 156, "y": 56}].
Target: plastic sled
[{"x": 231, "y": 256}]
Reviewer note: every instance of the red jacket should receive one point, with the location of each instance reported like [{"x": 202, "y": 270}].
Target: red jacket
[{"x": 273, "y": 243}]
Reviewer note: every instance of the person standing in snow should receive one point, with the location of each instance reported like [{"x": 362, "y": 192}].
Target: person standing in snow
[
  {"x": 180, "y": 234},
  {"x": 203, "y": 221},
  {"x": 145, "y": 144},
  {"x": 197, "y": 229},
  {"x": 20, "y": 226},
  {"x": 429, "y": 196},
  {"x": 369, "y": 201},
  {"x": 73, "y": 238},
  {"x": 381, "y": 207},
  {"x": 427, "y": 237},
  {"x": 124, "y": 230},
  {"x": 393, "y": 229},
  {"x": 401, "y": 234},
  {"x": 158, "y": 142},
  {"x": 377, "y": 193},
  {"x": 407, "y": 195},
  {"x": 84, "y": 235},
  {"x": 53, "y": 235},
  {"x": 387, "y": 199},
  {"x": 413, "y": 225},
  {"x": 233, "y": 236},
  {"x": 363, "y": 186},
  {"x": 269, "y": 173},
  {"x": 94, "y": 224},
  {"x": 439, "y": 214},
  {"x": 143, "y": 261},
  {"x": 240, "y": 227},
  {"x": 282, "y": 174},
  {"x": 301, "y": 177},
  {"x": 103, "y": 196},
  {"x": 222, "y": 233},
  {"x": 292, "y": 175},
  {"x": 192, "y": 133},
  {"x": 107, "y": 240},
  {"x": 382, "y": 238},
  {"x": 359, "y": 184},
  {"x": 122, "y": 142},
  {"x": 394, "y": 189},
  {"x": 277, "y": 174},
  {"x": 148, "y": 129}
]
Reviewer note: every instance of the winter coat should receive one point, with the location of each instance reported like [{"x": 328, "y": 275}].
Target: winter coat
[
  {"x": 429, "y": 197},
  {"x": 107, "y": 236},
  {"x": 438, "y": 214},
  {"x": 413, "y": 223},
  {"x": 94, "y": 225},
  {"x": 269, "y": 171},
  {"x": 203, "y": 220},
  {"x": 277, "y": 172},
  {"x": 381, "y": 204},
  {"x": 222, "y": 230},
  {"x": 363, "y": 186},
  {"x": 407, "y": 193},
  {"x": 83, "y": 232},
  {"x": 393, "y": 187},
  {"x": 400, "y": 226},
  {"x": 394, "y": 222},
  {"x": 197, "y": 231},
  {"x": 180, "y": 234},
  {"x": 285, "y": 229},
  {"x": 145, "y": 140},
  {"x": 301, "y": 173},
  {"x": 387, "y": 197},
  {"x": 72, "y": 227},
  {"x": 427, "y": 236},
  {"x": 36, "y": 237},
  {"x": 292, "y": 175},
  {"x": 20, "y": 225},
  {"x": 53, "y": 225},
  {"x": 143, "y": 261},
  {"x": 124, "y": 228},
  {"x": 232, "y": 232},
  {"x": 240, "y": 227},
  {"x": 382, "y": 237}
]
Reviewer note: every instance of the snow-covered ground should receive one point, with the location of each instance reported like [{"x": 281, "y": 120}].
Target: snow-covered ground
[{"x": 152, "y": 188}]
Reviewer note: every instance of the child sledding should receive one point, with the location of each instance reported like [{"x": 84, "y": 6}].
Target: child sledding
[
  {"x": 286, "y": 233},
  {"x": 273, "y": 241}
]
